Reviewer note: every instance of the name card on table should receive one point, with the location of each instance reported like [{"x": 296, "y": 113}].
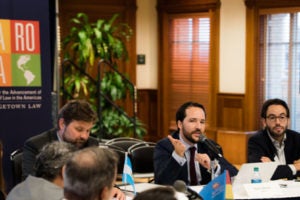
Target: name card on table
[{"x": 263, "y": 190}]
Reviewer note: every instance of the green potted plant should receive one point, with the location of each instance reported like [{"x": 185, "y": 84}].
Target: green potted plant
[{"x": 84, "y": 47}]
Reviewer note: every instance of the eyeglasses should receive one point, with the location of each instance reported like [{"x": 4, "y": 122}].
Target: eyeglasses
[{"x": 273, "y": 118}]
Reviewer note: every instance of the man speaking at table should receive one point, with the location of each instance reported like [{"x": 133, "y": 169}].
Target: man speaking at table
[{"x": 187, "y": 154}]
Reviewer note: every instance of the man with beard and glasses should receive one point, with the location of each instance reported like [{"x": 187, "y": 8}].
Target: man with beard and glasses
[
  {"x": 172, "y": 154},
  {"x": 74, "y": 124},
  {"x": 275, "y": 142}
]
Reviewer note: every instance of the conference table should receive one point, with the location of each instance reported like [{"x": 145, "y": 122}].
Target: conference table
[{"x": 279, "y": 189}]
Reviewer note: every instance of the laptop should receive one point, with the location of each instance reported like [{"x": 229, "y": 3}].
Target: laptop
[{"x": 245, "y": 173}]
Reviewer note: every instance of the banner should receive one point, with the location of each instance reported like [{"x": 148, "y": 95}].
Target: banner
[{"x": 26, "y": 70}]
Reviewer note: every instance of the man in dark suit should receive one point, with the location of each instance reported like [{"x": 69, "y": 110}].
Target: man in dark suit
[
  {"x": 172, "y": 155},
  {"x": 276, "y": 143},
  {"x": 74, "y": 123}
]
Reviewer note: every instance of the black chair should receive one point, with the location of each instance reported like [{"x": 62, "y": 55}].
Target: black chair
[
  {"x": 121, "y": 155},
  {"x": 111, "y": 146},
  {"x": 123, "y": 139},
  {"x": 140, "y": 144},
  {"x": 124, "y": 144},
  {"x": 141, "y": 155},
  {"x": 16, "y": 159}
]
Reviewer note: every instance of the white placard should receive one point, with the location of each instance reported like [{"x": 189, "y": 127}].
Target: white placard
[{"x": 263, "y": 190}]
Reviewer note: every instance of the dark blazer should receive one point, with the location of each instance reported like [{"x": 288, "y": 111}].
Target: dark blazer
[
  {"x": 261, "y": 145},
  {"x": 167, "y": 170},
  {"x": 34, "y": 145}
]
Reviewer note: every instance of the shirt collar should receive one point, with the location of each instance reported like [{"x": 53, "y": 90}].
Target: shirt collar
[
  {"x": 187, "y": 146},
  {"x": 275, "y": 142},
  {"x": 59, "y": 139}
]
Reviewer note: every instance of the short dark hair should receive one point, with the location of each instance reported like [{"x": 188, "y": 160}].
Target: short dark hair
[
  {"x": 269, "y": 102},
  {"x": 88, "y": 172},
  {"x": 158, "y": 193},
  {"x": 79, "y": 110},
  {"x": 52, "y": 158},
  {"x": 181, "y": 112}
]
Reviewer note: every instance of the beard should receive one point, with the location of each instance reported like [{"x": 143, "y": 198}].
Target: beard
[
  {"x": 275, "y": 134},
  {"x": 189, "y": 135},
  {"x": 79, "y": 143}
]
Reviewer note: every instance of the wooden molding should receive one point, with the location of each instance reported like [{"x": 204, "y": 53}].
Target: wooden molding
[{"x": 271, "y": 3}]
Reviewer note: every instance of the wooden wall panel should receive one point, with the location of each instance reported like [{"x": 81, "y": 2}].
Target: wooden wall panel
[
  {"x": 234, "y": 145},
  {"x": 230, "y": 112},
  {"x": 147, "y": 112}
]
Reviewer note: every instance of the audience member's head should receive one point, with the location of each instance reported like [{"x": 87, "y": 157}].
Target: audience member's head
[
  {"x": 52, "y": 158},
  {"x": 48, "y": 182},
  {"x": 75, "y": 121},
  {"x": 90, "y": 174},
  {"x": 158, "y": 193}
]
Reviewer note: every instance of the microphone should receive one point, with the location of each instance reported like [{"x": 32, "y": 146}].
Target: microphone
[
  {"x": 180, "y": 186},
  {"x": 211, "y": 146}
]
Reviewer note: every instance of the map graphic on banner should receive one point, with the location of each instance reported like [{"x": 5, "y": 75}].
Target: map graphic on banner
[{"x": 20, "y": 64}]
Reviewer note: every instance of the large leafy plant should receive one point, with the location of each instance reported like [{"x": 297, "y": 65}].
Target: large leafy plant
[{"x": 86, "y": 44}]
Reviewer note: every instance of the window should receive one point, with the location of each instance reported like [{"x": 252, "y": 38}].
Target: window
[
  {"x": 189, "y": 60},
  {"x": 279, "y": 59}
]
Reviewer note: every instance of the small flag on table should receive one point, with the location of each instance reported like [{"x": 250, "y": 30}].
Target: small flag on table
[
  {"x": 228, "y": 191},
  {"x": 127, "y": 172},
  {"x": 215, "y": 189}
]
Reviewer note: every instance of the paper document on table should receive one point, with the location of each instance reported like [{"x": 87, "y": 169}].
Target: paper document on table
[{"x": 263, "y": 190}]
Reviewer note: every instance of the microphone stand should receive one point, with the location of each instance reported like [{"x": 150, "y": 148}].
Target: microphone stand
[{"x": 212, "y": 168}]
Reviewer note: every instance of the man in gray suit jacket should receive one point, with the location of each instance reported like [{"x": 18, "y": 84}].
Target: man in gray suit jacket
[{"x": 48, "y": 182}]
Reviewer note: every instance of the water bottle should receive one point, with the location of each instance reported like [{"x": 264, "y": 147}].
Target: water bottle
[{"x": 256, "y": 176}]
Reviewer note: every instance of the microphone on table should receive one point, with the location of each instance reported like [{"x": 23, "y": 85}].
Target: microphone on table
[
  {"x": 180, "y": 186},
  {"x": 210, "y": 145}
]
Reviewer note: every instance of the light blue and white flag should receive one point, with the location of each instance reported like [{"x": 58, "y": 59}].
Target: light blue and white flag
[{"x": 127, "y": 172}]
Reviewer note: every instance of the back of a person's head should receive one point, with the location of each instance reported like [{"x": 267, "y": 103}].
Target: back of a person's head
[
  {"x": 159, "y": 193},
  {"x": 89, "y": 172},
  {"x": 52, "y": 158},
  {"x": 79, "y": 110}
]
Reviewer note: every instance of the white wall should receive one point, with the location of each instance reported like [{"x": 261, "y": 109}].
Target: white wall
[
  {"x": 232, "y": 45},
  {"x": 147, "y": 44}
]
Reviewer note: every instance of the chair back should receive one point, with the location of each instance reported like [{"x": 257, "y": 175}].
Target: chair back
[
  {"x": 124, "y": 144},
  {"x": 142, "y": 158},
  {"x": 121, "y": 154},
  {"x": 16, "y": 159},
  {"x": 123, "y": 139}
]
